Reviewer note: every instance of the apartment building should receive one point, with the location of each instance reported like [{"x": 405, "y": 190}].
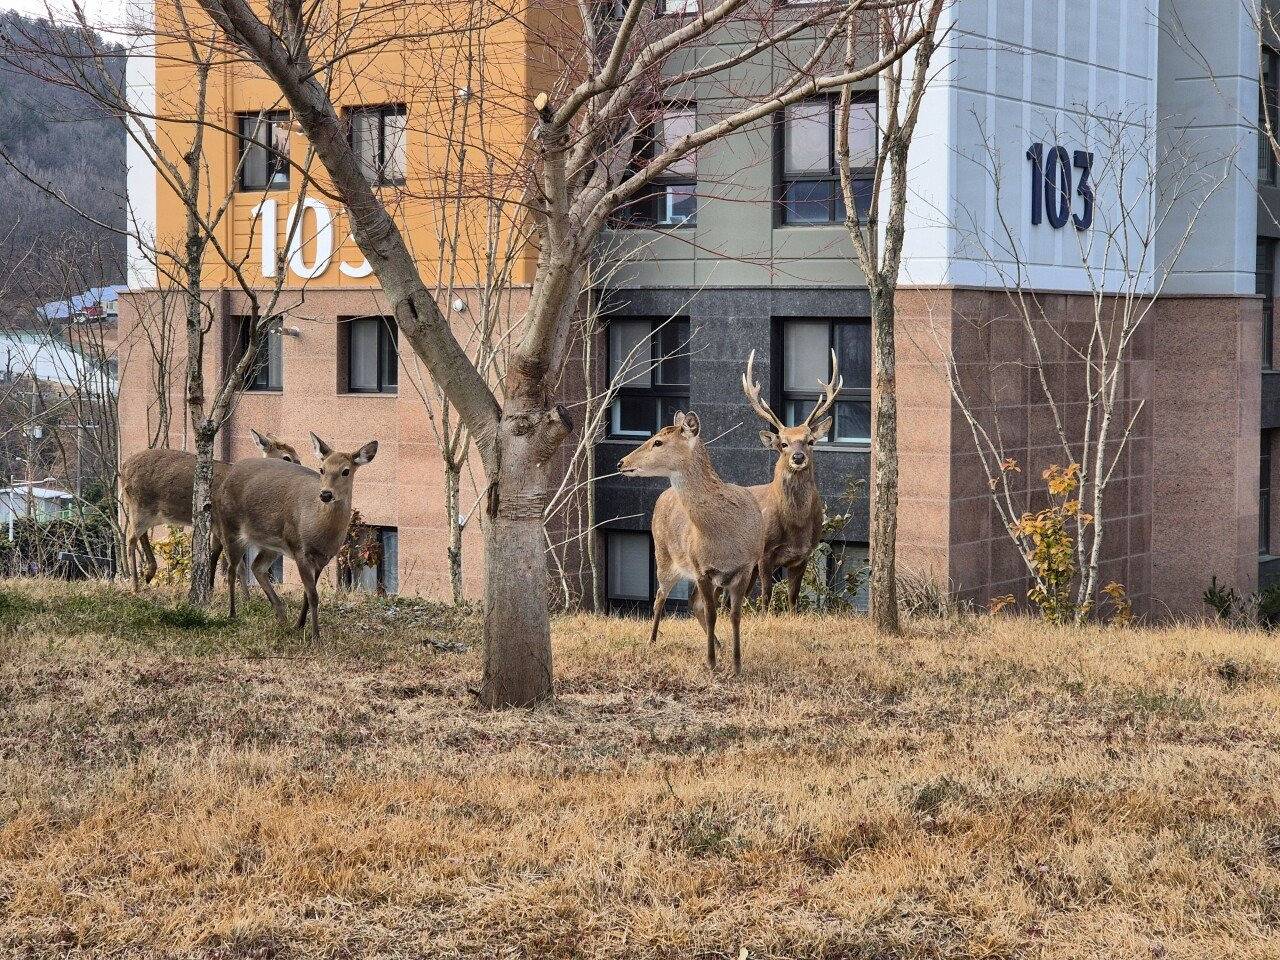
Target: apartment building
[{"x": 745, "y": 249}]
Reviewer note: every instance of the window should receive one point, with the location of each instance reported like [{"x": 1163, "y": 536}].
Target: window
[
  {"x": 1265, "y": 280},
  {"x": 1267, "y": 108},
  {"x": 267, "y": 370},
  {"x": 263, "y": 160},
  {"x": 806, "y": 360},
  {"x": 845, "y": 569},
  {"x": 373, "y": 355},
  {"x": 1264, "y": 493},
  {"x": 809, "y": 187},
  {"x": 631, "y": 574},
  {"x": 383, "y": 574},
  {"x": 649, "y": 365},
  {"x": 378, "y": 136},
  {"x": 671, "y": 200}
]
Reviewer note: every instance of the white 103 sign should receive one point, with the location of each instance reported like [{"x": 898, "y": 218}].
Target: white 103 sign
[{"x": 266, "y": 215}]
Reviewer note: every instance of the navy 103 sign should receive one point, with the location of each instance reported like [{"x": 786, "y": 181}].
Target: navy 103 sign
[{"x": 1051, "y": 183}]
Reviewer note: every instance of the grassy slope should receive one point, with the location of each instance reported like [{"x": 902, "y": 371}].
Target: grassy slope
[{"x": 169, "y": 786}]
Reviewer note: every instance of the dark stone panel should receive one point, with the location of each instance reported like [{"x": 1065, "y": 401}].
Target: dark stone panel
[{"x": 728, "y": 324}]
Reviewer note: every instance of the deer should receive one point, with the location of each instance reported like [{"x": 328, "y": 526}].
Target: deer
[
  {"x": 704, "y": 529},
  {"x": 156, "y": 488},
  {"x": 791, "y": 504},
  {"x": 284, "y": 508}
]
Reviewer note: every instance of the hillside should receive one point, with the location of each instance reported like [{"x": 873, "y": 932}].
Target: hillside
[
  {"x": 170, "y": 786},
  {"x": 57, "y": 136}
]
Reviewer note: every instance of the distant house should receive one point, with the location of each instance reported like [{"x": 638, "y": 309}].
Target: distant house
[
  {"x": 49, "y": 360},
  {"x": 96, "y": 303},
  {"x": 38, "y": 500}
]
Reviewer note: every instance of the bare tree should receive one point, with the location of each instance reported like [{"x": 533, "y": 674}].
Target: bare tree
[
  {"x": 879, "y": 253},
  {"x": 612, "y": 78},
  {"x": 1147, "y": 188}
]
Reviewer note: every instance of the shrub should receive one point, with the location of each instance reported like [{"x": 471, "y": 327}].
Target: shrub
[{"x": 174, "y": 556}]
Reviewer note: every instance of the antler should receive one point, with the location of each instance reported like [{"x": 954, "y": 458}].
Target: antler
[
  {"x": 829, "y": 391},
  {"x": 752, "y": 390}
]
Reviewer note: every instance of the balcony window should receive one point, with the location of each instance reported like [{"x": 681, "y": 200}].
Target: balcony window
[
  {"x": 649, "y": 369},
  {"x": 1265, "y": 279},
  {"x": 806, "y": 360},
  {"x": 266, "y": 373},
  {"x": 1268, "y": 108},
  {"x": 373, "y": 356},
  {"x": 809, "y": 185},
  {"x": 671, "y": 200},
  {"x": 263, "y": 159},
  {"x": 378, "y": 136}
]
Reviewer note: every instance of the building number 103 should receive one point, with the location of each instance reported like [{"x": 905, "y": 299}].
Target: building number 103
[{"x": 1051, "y": 182}]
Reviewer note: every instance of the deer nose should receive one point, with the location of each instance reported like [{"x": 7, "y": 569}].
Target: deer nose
[
  {"x": 326, "y": 496},
  {"x": 621, "y": 464},
  {"x": 797, "y": 458}
]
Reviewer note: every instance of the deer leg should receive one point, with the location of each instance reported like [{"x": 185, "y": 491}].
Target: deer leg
[
  {"x": 215, "y": 552},
  {"x": 666, "y": 581},
  {"x": 738, "y": 591},
  {"x": 261, "y": 564},
  {"x": 234, "y": 552},
  {"x": 313, "y": 598},
  {"x": 766, "y": 587},
  {"x": 795, "y": 578},
  {"x": 707, "y": 605},
  {"x": 144, "y": 541}
]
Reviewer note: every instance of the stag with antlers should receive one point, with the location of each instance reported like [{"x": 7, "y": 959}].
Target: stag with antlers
[{"x": 791, "y": 504}]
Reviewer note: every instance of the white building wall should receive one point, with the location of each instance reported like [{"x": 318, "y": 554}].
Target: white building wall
[
  {"x": 140, "y": 84},
  {"x": 1015, "y": 72}
]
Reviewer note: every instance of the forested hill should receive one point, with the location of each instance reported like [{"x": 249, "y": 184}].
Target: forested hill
[{"x": 58, "y": 136}]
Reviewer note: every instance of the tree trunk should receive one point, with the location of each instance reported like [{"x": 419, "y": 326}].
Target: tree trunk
[
  {"x": 452, "y": 482},
  {"x": 517, "y": 631},
  {"x": 202, "y": 518},
  {"x": 884, "y": 464}
]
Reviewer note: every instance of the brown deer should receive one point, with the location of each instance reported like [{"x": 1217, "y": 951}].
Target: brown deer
[
  {"x": 791, "y": 504},
  {"x": 282, "y": 508},
  {"x": 704, "y": 529},
  {"x": 156, "y": 488}
]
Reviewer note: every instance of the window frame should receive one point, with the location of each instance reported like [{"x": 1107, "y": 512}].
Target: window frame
[
  {"x": 1268, "y": 102},
  {"x": 856, "y": 394},
  {"x": 244, "y": 142},
  {"x": 382, "y": 111},
  {"x": 617, "y": 604},
  {"x": 388, "y": 329},
  {"x": 1267, "y": 250},
  {"x": 647, "y": 211},
  {"x": 658, "y": 326},
  {"x": 274, "y": 338},
  {"x": 782, "y": 182}
]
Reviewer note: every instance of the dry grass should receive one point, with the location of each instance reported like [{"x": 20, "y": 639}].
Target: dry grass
[{"x": 989, "y": 789}]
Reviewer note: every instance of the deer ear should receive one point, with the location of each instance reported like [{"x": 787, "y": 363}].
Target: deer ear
[
  {"x": 692, "y": 424},
  {"x": 678, "y": 419},
  {"x": 366, "y": 453},
  {"x": 819, "y": 430},
  {"x": 769, "y": 439},
  {"x": 263, "y": 443},
  {"x": 321, "y": 448}
]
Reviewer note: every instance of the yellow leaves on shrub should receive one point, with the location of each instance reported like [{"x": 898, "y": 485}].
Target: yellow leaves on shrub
[{"x": 174, "y": 555}]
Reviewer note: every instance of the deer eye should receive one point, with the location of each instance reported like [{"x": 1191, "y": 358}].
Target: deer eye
[
  {"x": 346, "y": 471},
  {"x": 322, "y": 471},
  {"x": 657, "y": 443}
]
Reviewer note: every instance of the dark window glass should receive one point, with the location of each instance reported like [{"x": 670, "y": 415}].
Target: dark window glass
[
  {"x": 373, "y": 356},
  {"x": 378, "y": 136},
  {"x": 809, "y": 176},
  {"x": 671, "y": 200},
  {"x": 264, "y": 150},
  {"x": 1264, "y": 493},
  {"x": 630, "y": 574},
  {"x": 649, "y": 367},
  {"x": 1267, "y": 110},
  {"x": 1266, "y": 288},
  {"x": 806, "y": 364},
  {"x": 267, "y": 369}
]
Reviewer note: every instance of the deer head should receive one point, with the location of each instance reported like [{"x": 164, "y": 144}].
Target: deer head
[
  {"x": 667, "y": 452},
  {"x": 337, "y": 470},
  {"x": 794, "y": 444},
  {"x": 273, "y": 448}
]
